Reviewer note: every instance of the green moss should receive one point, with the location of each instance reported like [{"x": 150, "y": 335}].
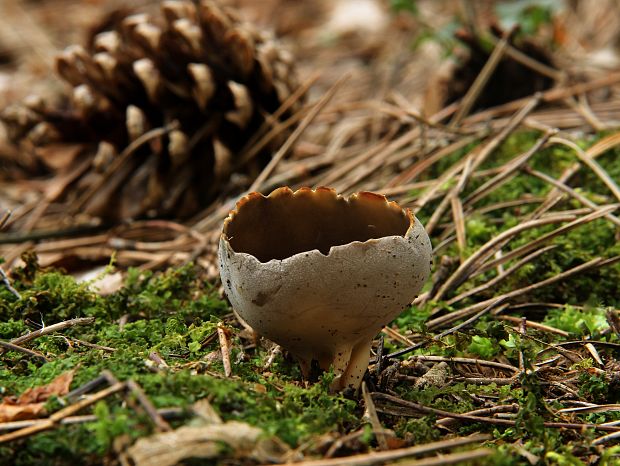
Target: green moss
[{"x": 579, "y": 322}]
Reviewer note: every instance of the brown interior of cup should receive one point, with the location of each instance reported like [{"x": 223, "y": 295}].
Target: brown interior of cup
[{"x": 287, "y": 223}]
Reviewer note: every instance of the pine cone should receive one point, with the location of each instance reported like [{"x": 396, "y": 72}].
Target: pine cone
[{"x": 196, "y": 72}]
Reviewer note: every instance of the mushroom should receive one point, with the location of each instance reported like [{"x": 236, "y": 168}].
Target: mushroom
[{"x": 321, "y": 274}]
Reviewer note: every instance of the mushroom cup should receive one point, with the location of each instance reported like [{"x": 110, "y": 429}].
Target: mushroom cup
[{"x": 321, "y": 274}]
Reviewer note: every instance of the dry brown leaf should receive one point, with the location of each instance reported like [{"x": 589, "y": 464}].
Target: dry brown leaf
[
  {"x": 59, "y": 387},
  {"x": 31, "y": 403},
  {"x": 11, "y": 412}
]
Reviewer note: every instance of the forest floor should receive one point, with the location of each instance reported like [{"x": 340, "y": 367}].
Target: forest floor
[{"x": 117, "y": 345}]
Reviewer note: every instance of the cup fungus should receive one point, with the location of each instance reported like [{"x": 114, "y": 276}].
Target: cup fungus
[{"x": 321, "y": 274}]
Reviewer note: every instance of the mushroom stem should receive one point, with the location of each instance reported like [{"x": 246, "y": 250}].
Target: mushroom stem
[
  {"x": 350, "y": 371},
  {"x": 349, "y": 364}
]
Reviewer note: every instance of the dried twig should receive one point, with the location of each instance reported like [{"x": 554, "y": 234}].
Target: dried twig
[
  {"x": 20, "y": 349},
  {"x": 418, "y": 408},
  {"x": 7, "y": 283},
  {"x": 53, "y": 328},
  {"x": 165, "y": 413},
  {"x": 55, "y": 418},
  {"x": 152, "y": 412},
  {"x": 371, "y": 413},
  {"x": 4, "y": 219},
  {"x": 392, "y": 455},
  {"x": 225, "y": 349},
  {"x": 512, "y": 408}
]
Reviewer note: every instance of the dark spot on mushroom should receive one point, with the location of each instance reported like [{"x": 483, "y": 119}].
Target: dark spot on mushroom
[{"x": 261, "y": 299}]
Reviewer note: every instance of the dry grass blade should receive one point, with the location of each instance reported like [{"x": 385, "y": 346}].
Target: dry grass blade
[
  {"x": 450, "y": 458},
  {"x": 166, "y": 413},
  {"x": 547, "y": 97},
  {"x": 457, "y": 360},
  {"x": 454, "y": 194},
  {"x": 535, "y": 325},
  {"x": 491, "y": 306},
  {"x": 418, "y": 408},
  {"x": 512, "y": 408},
  {"x": 535, "y": 65},
  {"x": 481, "y": 80},
  {"x": 601, "y": 212},
  {"x": 590, "y": 162},
  {"x": 342, "y": 169},
  {"x": 262, "y": 137},
  {"x": 4, "y": 279},
  {"x": 494, "y": 281},
  {"x": 392, "y": 455},
  {"x": 597, "y": 149},
  {"x": 412, "y": 172},
  {"x": 380, "y": 160},
  {"x": 571, "y": 192},
  {"x": 510, "y": 169},
  {"x": 594, "y": 263},
  {"x": 225, "y": 349},
  {"x": 489, "y": 248},
  {"x": 283, "y": 150},
  {"x": 4, "y": 219},
  {"x": 437, "y": 186},
  {"x": 602, "y": 146},
  {"x": 459, "y": 224},
  {"x": 581, "y": 106},
  {"x": 606, "y": 438},
  {"x": 506, "y": 131},
  {"x": 477, "y": 157}
]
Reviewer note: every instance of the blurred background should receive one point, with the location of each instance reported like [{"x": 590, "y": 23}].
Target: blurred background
[{"x": 104, "y": 126}]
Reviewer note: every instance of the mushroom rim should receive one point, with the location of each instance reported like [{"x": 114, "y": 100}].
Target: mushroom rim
[
  {"x": 303, "y": 254},
  {"x": 286, "y": 191}
]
